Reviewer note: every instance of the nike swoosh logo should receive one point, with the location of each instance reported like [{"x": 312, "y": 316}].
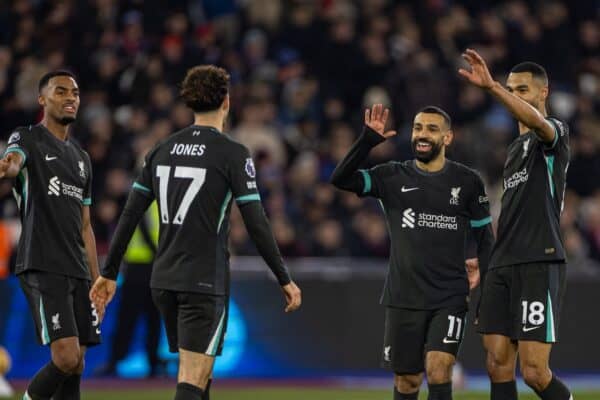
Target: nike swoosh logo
[
  {"x": 450, "y": 341},
  {"x": 48, "y": 158},
  {"x": 526, "y": 329},
  {"x": 97, "y": 331},
  {"x": 405, "y": 189}
]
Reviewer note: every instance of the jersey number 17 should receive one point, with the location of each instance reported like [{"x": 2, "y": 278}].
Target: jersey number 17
[{"x": 163, "y": 172}]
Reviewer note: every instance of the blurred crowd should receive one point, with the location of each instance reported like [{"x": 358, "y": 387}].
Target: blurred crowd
[{"x": 301, "y": 73}]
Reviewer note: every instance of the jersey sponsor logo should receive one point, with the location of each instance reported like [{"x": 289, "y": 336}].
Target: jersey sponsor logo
[
  {"x": 249, "y": 167},
  {"x": 408, "y": 218},
  {"x": 14, "y": 137},
  {"x": 455, "y": 193},
  {"x": 526, "y": 147},
  {"x": 56, "y": 322},
  {"x": 81, "y": 166},
  {"x": 404, "y": 189},
  {"x": 56, "y": 188},
  {"x": 516, "y": 179},
  {"x": 50, "y": 158},
  {"x": 181, "y": 149},
  {"x": 387, "y": 353},
  {"x": 251, "y": 185}
]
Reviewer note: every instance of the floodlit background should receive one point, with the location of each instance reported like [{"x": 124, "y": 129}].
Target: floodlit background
[{"x": 301, "y": 73}]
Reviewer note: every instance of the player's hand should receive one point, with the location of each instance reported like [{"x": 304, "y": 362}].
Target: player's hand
[
  {"x": 293, "y": 296},
  {"x": 479, "y": 75},
  {"x": 376, "y": 118},
  {"x": 4, "y": 165},
  {"x": 103, "y": 292},
  {"x": 472, "y": 266}
]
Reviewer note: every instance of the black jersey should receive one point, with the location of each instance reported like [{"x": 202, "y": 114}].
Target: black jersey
[
  {"x": 53, "y": 185},
  {"x": 195, "y": 175},
  {"x": 428, "y": 215},
  {"x": 534, "y": 187}
]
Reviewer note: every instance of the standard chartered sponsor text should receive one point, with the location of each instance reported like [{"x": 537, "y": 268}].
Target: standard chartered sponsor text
[
  {"x": 439, "y": 221},
  {"x": 516, "y": 179}
]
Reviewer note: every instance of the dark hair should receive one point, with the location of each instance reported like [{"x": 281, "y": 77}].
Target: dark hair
[
  {"x": 439, "y": 111},
  {"x": 204, "y": 88},
  {"x": 536, "y": 70},
  {"x": 46, "y": 78}
]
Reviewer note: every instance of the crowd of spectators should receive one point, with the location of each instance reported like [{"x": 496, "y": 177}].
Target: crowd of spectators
[{"x": 301, "y": 73}]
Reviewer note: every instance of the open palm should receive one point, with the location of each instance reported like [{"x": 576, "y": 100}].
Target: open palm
[
  {"x": 479, "y": 75},
  {"x": 376, "y": 118}
]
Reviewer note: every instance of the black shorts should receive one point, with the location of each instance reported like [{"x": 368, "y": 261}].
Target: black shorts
[
  {"x": 61, "y": 307},
  {"x": 194, "y": 321},
  {"x": 523, "y": 301},
  {"x": 411, "y": 334}
]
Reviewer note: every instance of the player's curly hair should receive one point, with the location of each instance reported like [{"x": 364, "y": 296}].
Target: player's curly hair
[{"x": 204, "y": 88}]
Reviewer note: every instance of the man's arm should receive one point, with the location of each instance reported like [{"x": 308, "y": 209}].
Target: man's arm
[
  {"x": 484, "y": 237},
  {"x": 89, "y": 241},
  {"x": 105, "y": 286},
  {"x": 260, "y": 232},
  {"x": 10, "y": 165},
  {"x": 135, "y": 208},
  {"x": 520, "y": 109},
  {"x": 346, "y": 175}
]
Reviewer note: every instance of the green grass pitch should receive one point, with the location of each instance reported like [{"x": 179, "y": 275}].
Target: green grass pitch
[{"x": 294, "y": 394}]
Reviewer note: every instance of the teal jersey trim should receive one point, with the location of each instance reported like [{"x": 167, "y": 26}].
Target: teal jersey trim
[
  {"x": 550, "y": 165},
  {"x": 141, "y": 187},
  {"x": 247, "y": 198},
  {"x": 216, "y": 339},
  {"x": 480, "y": 222},
  {"x": 87, "y": 201},
  {"x": 45, "y": 335},
  {"x": 223, "y": 209},
  {"x": 550, "y": 333},
  {"x": 16, "y": 150},
  {"x": 367, "y": 180},
  {"x": 23, "y": 177}
]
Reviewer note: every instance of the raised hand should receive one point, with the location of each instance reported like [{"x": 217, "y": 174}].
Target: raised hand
[
  {"x": 479, "y": 75},
  {"x": 376, "y": 118},
  {"x": 293, "y": 296}
]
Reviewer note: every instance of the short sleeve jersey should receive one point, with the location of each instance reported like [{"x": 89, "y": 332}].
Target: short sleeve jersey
[
  {"x": 195, "y": 175},
  {"x": 52, "y": 187}
]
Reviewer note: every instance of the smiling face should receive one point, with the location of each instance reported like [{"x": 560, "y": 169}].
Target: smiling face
[
  {"x": 528, "y": 88},
  {"x": 60, "y": 99},
  {"x": 430, "y": 136}
]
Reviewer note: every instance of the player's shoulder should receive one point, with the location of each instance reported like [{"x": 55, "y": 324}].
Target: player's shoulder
[
  {"x": 79, "y": 149},
  {"x": 21, "y": 133},
  {"x": 559, "y": 124},
  {"x": 464, "y": 171},
  {"x": 392, "y": 167}
]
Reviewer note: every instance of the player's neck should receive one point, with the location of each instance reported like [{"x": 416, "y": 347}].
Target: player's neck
[
  {"x": 433, "y": 165},
  {"x": 214, "y": 120},
  {"x": 57, "y": 129},
  {"x": 523, "y": 129}
]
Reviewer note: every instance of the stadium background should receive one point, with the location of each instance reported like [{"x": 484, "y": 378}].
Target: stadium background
[{"x": 301, "y": 73}]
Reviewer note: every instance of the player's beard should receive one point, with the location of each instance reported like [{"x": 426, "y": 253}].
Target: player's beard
[
  {"x": 426, "y": 157},
  {"x": 66, "y": 120}
]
